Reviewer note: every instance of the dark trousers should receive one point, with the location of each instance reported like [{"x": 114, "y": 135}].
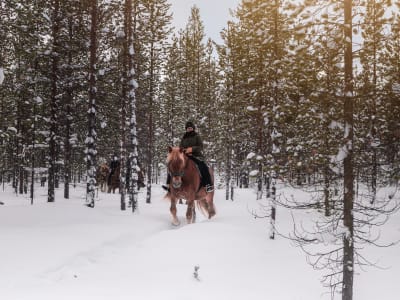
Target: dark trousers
[{"x": 204, "y": 172}]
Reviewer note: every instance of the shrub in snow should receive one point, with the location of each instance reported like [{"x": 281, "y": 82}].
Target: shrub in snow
[{"x": 196, "y": 273}]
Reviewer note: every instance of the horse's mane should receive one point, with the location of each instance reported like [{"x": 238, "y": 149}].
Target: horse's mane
[{"x": 175, "y": 158}]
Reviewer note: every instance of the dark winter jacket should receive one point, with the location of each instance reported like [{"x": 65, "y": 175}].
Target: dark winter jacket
[
  {"x": 114, "y": 165},
  {"x": 192, "y": 139}
]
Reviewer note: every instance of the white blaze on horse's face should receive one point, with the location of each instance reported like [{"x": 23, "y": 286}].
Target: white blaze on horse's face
[
  {"x": 177, "y": 182},
  {"x": 176, "y": 166}
]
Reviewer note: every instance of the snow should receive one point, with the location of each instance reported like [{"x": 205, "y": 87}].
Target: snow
[
  {"x": 251, "y": 108},
  {"x": 250, "y": 155},
  {"x": 253, "y": 173},
  {"x": 13, "y": 129},
  {"x": 120, "y": 34},
  {"x": 1, "y": 75},
  {"x": 396, "y": 87},
  {"x": 65, "y": 250}
]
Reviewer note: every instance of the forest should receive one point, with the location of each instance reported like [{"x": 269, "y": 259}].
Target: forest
[{"x": 307, "y": 92}]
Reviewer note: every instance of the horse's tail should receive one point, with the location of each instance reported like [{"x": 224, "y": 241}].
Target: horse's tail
[{"x": 202, "y": 205}]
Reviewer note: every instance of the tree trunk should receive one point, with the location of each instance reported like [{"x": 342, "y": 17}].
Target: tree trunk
[
  {"x": 348, "y": 242},
  {"x": 91, "y": 137},
  {"x": 273, "y": 213},
  {"x": 67, "y": 146},
  {"x": 53, "y": 104},
  {"x": 133, "y": 154},
  {"x": 151, "y": 136},
  {"x": 228, "y": 171},
  {"x": 374, "y": 174}
]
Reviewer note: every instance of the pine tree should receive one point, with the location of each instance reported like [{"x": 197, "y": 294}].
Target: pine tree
[
  {"x": 133, "y": 149},
  {"x": 171, "y": 91},
  {"x": 54, "y": 102},
  {"x": 129, "y": 96},
  {"x": 371, "y": 106},
  {"x": 348, "y": 162},
  {"x": 156, "y": 20},
  {"x": 91, "y": 134}
]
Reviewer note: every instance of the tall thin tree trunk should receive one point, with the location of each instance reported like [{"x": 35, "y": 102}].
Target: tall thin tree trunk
[
  {"x": 374, "y": 174},
  {"x": 348, "y": 241},
  {"x": 151, "y": 125},
  {"x": 276, "y": 101},
  {"x": 228, "y": 171},
  {"x": 273, "y": 213},
  {"x": 92, "y": 137},
  {"x": 133, "y": 154},
  {"x": 53, "y": 104},
  {"x": 327, "y": 193},
  {"x": 33, "y": 150},
  {"x": 67, "y": 146},
  {"x": 123, "y": 129},
  {"x": 68, "y": 103}
]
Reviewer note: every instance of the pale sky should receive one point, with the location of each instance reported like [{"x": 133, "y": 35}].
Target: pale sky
[{"x": 214, "y": 14}]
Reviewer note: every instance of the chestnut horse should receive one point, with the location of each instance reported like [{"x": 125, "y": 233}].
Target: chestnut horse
[
  {"x": 186, "y": 184},
  {"x": 101, "y": 176}
]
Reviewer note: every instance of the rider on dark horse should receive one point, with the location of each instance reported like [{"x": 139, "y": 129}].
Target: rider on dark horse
[
  {"x": 113, "y": 166},
  {"x": 192, "y": 144}
]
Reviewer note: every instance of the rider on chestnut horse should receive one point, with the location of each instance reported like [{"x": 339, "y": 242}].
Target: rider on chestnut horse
[{"x": 192, "y": 144}]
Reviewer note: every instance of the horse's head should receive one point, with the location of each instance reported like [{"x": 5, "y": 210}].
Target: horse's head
[
  {"x": 104, "y": 169},
  {"x": 176, "y": 162}
]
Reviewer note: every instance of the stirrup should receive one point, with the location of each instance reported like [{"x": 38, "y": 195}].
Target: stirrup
[{"x": 209, "y": 188}]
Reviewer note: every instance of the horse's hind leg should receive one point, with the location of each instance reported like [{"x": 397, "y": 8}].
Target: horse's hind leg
[
  {"x": 210, "y": 205},
  {"x": 190, "y": 212},
  {"x": 175, "y": 220}
]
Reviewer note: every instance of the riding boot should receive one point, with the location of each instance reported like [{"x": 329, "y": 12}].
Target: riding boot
[
  {"x": 206, "y": 177},
  {"x": 166, "y": 186}
]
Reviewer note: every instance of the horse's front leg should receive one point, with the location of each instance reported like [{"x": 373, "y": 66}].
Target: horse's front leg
[
  {"x": 190, "y": 212},
  {"x": 175, "y": 220}
]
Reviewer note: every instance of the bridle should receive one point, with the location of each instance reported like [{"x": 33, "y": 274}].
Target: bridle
[{"x": 177, "y": 174}]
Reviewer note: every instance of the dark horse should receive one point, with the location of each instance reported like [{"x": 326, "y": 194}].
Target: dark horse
[
  {"x": 101, "y": 176},
  {"x": 186, "y": 184},
  {"x": 115, "y": 180}
]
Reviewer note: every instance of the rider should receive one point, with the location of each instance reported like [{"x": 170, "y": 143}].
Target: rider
[
  {"x": 193, "y": 147},
  {"x": 113, "y": 166}
]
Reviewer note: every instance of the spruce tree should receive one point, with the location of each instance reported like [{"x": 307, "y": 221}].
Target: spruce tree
[{"x": 91, "y": 134}]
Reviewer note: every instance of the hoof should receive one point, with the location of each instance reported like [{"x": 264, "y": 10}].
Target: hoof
[
  {"x": 211, "y": 212},
  {"x": 175, "y": 222}
]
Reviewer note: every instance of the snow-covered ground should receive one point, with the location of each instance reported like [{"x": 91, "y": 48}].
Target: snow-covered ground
[{"x": 65, "y": 250}]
